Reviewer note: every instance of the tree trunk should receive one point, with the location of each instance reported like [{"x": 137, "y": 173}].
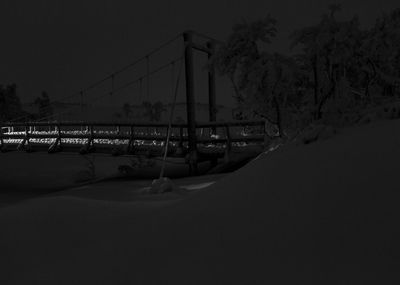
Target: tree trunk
[
  {"x": 278, "y": 117},
  {"x": 316, "y": 84},
  {"x": 325, "y": 98},
  {"x": 366, "y": 92},
  {"x": 370, "y": 79}
]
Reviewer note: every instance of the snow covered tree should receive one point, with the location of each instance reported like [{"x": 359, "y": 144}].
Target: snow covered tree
[
  {"x": 382, "y": 53},
  {"x": 331, "y": 50},
  {"x": 266, "y": 84},
  {"x": 332, "y": 78},
  {"x": 271, "y": 89},
  {"x": 242, "y": 49},
  {"x": 153, "y": 111},
  {"x": 44, "y": 105}
]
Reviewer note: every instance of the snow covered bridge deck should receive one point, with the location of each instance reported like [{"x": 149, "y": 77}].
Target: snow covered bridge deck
[{"x": 213, "y": 139}]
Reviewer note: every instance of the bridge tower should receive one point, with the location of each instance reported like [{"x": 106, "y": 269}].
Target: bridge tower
[{"x": 209, "y": 49}]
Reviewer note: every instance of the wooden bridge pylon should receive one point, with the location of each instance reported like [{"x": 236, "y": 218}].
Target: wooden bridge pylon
[{"x": 209, "y": 49}]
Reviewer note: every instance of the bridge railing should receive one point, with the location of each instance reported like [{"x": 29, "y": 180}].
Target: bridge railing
[{"x": 224, "y": 134}]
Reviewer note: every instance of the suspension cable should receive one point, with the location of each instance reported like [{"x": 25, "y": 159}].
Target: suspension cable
[
  {"x": 116, "y": 90},
  {"x": 148, "y": 77},
  {"x": 112, "y": 76},
  {"x": 135, "y": 62},
  {"x": 85, "y": 90}
]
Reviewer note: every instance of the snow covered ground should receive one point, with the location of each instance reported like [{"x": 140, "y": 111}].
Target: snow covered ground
[{"x": 321, "y": 213}]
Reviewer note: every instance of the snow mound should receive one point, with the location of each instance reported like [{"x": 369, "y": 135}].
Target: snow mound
[{"x": 316, "y": 132}]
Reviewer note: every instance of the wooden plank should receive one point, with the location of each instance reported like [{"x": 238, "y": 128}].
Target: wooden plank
[
  {"x": 137, "y": 125},
  {"x": 230, "y": 124},
  {"x": 259, "y": 138},
  {"x": 95, "y": 136},
  {"x": 252, "y": 138},
  {"x": 95, "y": 124}
]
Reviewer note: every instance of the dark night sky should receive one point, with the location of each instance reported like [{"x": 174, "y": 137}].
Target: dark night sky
[{"x": 62, "y": 46}]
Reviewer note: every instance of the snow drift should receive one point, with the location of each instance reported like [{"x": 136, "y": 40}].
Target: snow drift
[{"x": 321, "y": 213}]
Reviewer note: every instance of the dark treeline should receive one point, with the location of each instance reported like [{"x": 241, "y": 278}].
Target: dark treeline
[
  {"x": 11, "y": 108},
  {"x": 338, "y": 73},
  {"x": 151, "y": 111},
  {"x": 10, "y": 104}
]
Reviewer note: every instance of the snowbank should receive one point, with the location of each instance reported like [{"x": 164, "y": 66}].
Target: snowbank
[{"x": 322, "y": 213}]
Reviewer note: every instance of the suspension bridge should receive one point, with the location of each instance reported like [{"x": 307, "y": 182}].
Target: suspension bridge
[{"x": 70, "y": 129}]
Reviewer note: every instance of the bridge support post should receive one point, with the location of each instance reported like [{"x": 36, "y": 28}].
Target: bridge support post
[
  {"x": 130, "y": 148},
  {"x": 228, "y": 148},
  {"x": 25, "y": 144},
  {"x": 56, "y": 146},
  {"x": 2, "y": 147},
  {"x": 89, "y": 146},
  {"x": 190, "y": 102},
  {"x": 212, "y": 101}
]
